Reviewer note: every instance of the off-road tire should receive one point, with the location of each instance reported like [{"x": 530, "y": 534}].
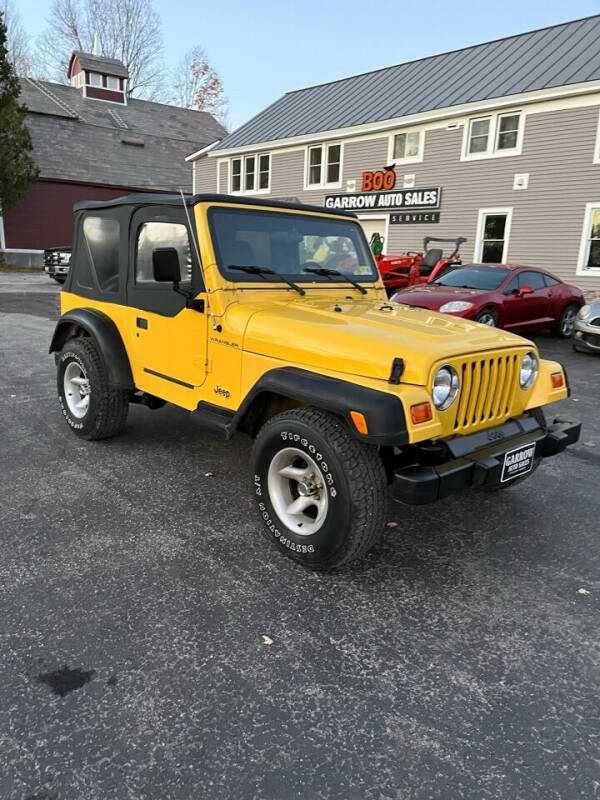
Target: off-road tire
[
  {"x": 488, "y": 312},
  {"x": 107, "y": 410},
  {"x": 351, "y": 472},
  {"x": 558, "y": 328},
  {"x": 540, "y": 418}
]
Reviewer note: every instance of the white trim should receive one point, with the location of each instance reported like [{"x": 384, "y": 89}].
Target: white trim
[
  {"x": 596, "y": 154},
  {"x": 411, "y": 159},
  {"x": 21, "y": 250},
  {"x": 386, "y": 219},
  {"x": 491, "y": 150},
  {"x": 194, "y": 177},
  {"x": 204, "y": 150},
  {"x": 242, "y": 190},
  {"x": 2, "y": 237},
  {"x": 218, "y": 174},
  {"x": 315, "y": 187},
  {"x": 584, "y": 247},
  {"x": 483, "y": 212},
  {"x": 481, "y": 107}
]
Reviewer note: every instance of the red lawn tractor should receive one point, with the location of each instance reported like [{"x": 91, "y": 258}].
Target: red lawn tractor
[{"x": 422, "y": 267}]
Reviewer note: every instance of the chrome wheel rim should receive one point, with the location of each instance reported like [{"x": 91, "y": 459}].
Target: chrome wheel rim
[
  {"x": 487, "y": 319},
  {"x": 568, "y": 321},
  {"x": 77, "y": 390},
  {"x": 297, "y": 491}
]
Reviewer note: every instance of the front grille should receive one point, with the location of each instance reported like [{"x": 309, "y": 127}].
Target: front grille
[
  {"x": 487, "y": 392},
  {"x": 591, "y": 338},
  {"x": 595, "y": 321},
  {"x": 55, "y": 258}
]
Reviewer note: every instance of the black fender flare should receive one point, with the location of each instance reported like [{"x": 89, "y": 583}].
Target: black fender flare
[
  {"x": 383, "y": 411},
  {"x": 105, "y": 333}
]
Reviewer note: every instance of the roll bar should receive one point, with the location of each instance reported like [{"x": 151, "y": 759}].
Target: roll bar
[{"x": 457, "y": 243}]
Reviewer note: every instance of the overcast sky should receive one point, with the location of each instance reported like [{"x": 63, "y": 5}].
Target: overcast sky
[{"x": 264, "y": 48}]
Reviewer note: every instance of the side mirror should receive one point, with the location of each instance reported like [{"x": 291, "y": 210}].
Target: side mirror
[
  {"x": 165, "y": 265},
  {"x": 525, "y": 290}
]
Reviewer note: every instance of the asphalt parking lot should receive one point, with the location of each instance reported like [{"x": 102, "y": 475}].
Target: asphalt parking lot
[{"x": 460, "y": 660}]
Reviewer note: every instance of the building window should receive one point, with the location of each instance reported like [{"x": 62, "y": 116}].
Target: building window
[
  {"x": 589, "y": 252},
  {"x": 324, "y": 166},
  {"x": 508, "y": 131},
  {"x": 113, "y": 83},
  {"x": 493, "y": 230},
  {"x": 95, "y": 79},
  {"x": 407, "y": 146},
  {"x": 236, "y": 174},
  {"x": 494, "y": 135},
  {"x": 264, "y": 172},
  {"x": 251, "y": 174},
  {"x": 479, "y": 135}
]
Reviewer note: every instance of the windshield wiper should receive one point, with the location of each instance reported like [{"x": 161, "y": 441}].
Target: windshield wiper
[
  {"x": 254, "y": 270},
  {"x": 327, "y": 273}
]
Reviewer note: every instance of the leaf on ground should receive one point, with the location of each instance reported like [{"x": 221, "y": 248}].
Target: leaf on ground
[
  {"x": 583, "y": 591},
  {"x": 391, "y": 524},
  {"x": 267, "y": 639}
]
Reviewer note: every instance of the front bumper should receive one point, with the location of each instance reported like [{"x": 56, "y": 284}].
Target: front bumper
[
  {"x": 476, "y": 462},
  {"x": 586, "y": 337}
]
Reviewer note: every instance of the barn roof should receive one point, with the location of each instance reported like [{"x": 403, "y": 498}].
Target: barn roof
[{"x": 140, "y": 145}]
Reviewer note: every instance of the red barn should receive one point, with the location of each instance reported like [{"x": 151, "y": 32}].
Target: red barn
[{"x": 93, "y": 142}]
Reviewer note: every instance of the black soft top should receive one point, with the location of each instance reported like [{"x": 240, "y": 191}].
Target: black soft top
[{"x": 147, "y": 198}]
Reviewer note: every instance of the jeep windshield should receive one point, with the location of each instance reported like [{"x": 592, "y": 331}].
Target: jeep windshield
[
  {"x": 486, "y": 278},
  {"x": 302, "y": 247}
]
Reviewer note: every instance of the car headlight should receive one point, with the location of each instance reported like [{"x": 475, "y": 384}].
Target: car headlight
[
  {"x": 584, "y": 312},
  {"x": 445, "y": 387},
  {"x": 454, "y": 306},
  {"x": 529, "y": 370}
]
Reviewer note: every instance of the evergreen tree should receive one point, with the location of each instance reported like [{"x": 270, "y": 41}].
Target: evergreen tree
[{"x": 17, "y": 168}]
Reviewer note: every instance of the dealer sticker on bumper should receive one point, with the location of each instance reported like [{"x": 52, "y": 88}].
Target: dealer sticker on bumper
[{"x": 517, "y": 462}]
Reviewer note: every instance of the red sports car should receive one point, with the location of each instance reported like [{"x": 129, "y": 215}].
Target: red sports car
[{"x": 507, "y": 296}]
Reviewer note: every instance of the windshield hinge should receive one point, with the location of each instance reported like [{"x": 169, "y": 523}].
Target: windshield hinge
[{"x": 397, "y": 370}]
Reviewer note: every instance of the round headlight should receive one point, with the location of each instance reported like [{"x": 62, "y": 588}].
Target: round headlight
[
  {"x": 584, "y": 312},
  {"x": 529, "y": 370},
  {"x": 445, "y": 387}
]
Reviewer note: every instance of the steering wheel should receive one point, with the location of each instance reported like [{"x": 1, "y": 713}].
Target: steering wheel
[{"x": 310, "y": 264}]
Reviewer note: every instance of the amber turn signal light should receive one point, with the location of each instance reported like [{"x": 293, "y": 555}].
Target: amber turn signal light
[
  {"x": 360, "y": 423},
  {"x": 557, "y": 380},
  {"x": 421, "y": 413}
]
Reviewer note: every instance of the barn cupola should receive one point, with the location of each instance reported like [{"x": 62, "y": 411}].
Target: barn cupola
[{"x": 99, "y": 78}]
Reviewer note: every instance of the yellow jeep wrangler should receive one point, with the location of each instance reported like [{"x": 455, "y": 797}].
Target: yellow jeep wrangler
[{"x": 271, "y": 318}]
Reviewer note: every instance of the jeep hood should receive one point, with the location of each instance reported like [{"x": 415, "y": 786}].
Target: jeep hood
[{"x": 362, "y": 338}]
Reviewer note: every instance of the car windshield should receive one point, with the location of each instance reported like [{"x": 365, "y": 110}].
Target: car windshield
[
  {"x": 289, "y": 244},
  {"x": 487, "y": 278}
]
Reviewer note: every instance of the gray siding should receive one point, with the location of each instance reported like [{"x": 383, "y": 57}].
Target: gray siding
[
  {"x": 224, "y": 177},
  {"x": 547, "y": 217},
  {"x": 206, "y": 174}
]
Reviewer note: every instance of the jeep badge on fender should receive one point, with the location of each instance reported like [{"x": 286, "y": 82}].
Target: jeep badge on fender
[{"x": 270, "y": 318}]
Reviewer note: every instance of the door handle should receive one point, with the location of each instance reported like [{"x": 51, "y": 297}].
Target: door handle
[{"x": 141, "y": 322}]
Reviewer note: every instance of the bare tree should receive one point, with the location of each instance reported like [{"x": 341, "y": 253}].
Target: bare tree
[
  {"x": 129, "y": 30},
  {"x": 17, "y": 41},
  {"x": 196, "y": 85}
]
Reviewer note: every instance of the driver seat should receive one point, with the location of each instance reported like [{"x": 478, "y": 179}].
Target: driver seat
[{"x": 430, "y": 260}]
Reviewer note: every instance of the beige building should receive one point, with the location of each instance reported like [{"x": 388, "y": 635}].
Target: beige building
[{"x": 499, "y": 143}]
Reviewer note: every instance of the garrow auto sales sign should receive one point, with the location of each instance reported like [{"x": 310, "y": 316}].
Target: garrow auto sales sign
[{"x": 401, "y": 200}]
